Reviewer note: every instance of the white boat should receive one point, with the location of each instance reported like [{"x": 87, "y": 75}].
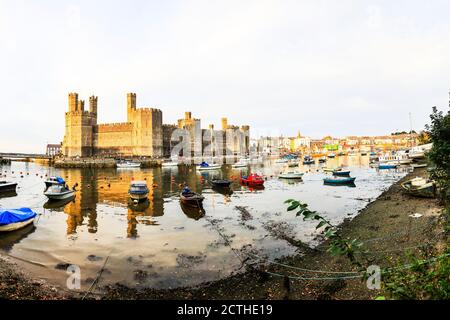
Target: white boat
[
  {"x": 205, "y": 166},
  {"x": 282, "y": 161},
  {"x": 291, "y": 175},
  {"x": 400, "y": 158},
  {"x": 59, "y": 192},
  {"x": 239, "y": 164},
  {"x": 293, "y": 163},
  {"x": 128, "y": 164},
  {"x": 14, "y": 219},
  {"x": 169, "y": 164},
  {"x": 419, "y": 165}
]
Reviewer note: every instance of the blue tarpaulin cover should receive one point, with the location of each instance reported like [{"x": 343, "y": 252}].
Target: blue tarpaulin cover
[
  {"x": 8, "y": 216},
  {"x": 60, "y": 180}
]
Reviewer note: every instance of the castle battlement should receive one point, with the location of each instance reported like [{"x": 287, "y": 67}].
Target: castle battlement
[{"x": 114, "y": 127}]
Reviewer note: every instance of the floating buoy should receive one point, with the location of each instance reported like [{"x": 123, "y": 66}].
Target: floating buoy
[
  {"x": 109, "y": 185},
  {"x": 21, "y": 176}
]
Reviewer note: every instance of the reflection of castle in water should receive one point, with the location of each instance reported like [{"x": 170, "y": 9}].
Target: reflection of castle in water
[
  {"x": 110, "y": 187},
  {"x": 107, "y": 186}
]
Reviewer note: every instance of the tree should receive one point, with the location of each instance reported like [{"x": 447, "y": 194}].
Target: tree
[{"x": 439, "y": 132}]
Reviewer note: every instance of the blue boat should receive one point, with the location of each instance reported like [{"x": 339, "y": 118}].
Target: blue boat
[
  {"x": 13, "y": 219},
  {"x": 341, "y": 173},
  {"x": 308, "y": 160},
  {"x": 387, "y": 166},
  {"x": 336, "y": 181}
]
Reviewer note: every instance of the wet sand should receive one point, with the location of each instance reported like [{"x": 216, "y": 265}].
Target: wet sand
[{"x": 386, "y": 223}]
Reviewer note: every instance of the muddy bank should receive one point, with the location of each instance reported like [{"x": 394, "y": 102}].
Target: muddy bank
[
  {"x": 389, "y": 227},
  {"x": 385, "y": 226},
  {"x": 15, "y": 285}
]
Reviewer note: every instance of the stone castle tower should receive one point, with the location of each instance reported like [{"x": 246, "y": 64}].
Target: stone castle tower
[
  {"x": 141, "y": 135},
  {"x": 79, "y": 127}
]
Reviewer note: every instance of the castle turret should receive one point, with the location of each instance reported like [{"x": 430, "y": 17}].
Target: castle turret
[
  {"x": 73, "y": 102},
  {"x": 79, "y": 126},
  {"x": 93, "y": 104},
  {"x": 224, "y": 123}
]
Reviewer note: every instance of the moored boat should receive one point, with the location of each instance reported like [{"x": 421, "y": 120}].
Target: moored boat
[
  {"x": 307, "y": 160},
  {"x": 7, "y": 187},
  {"x": 191, "y": 198},
  {"x": 291, "y": 175},
  {"x": 59, "y": 192},
  {"x": 331, "y": 169},
  {"x": 341, "y": 173},
  {"x": 128, "y": 165},
  {"x": 419, "y": 165},
  {"x": 332, "y": 155},
  {"x": 420, "y": 187},
  {"x": 339, "y": 181},
  {"x": 387, "y": 166},
  {"x": 138, "y": 190},
  {"x": 282, "y": 160},
  {"x": 169, "y": 164},
  {"x": 204, "y": 166},
  {"x": 54, "y": 181},
  {"x": 252, "y": 180},
  {"x": 322, "y": 159},
  {"x": 14, "y": 219},
  {"x": 239, "y": 164}
]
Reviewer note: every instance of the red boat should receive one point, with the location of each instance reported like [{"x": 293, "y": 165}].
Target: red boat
[{"x": 252, "y": 180}]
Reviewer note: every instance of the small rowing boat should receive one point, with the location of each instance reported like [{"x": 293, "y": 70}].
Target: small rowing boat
[
  {"x": 387, "y": 166},
  {"x": 128, "y": 165},
  {"x": 252, "y": 180},
  {"x": 204, "y": 166},
  {"x": 341, "y": 173},
  {"x": 138, "y": 190},
  {"x": 335, "y": 181},
  {"x": 291, "y": 175},
  {"x": 59, "y": 192},
  {"x": 14, "y": 219},
  {"x": 191, "y": 198},
  {"x": 420, "y": 187},
  {"x": 54, "y": 181}
]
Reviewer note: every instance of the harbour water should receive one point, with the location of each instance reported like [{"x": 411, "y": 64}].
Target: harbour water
[{"x": 162, "y": 244}]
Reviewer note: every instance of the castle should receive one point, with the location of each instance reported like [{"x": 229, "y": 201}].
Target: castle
[{"x": 144, "y": 133}]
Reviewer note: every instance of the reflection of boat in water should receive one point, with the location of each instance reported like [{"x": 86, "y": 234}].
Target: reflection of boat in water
[
  {"x": 14, "y": 219},
  {"x": 138, "y": 190},
  {"x": 192, "y": 212},
  {"x": 220, "y": 183},
  {"x": 57, "y": 204},
  {"x": 226, "y": 191},
  {"x": 307, "y": 160},
  {"x": 420, "y": 187},
  {"x": 170, "y": 164},
  {"x": 9, "y": 239},
  {"x": 140, "y": 206},
  {"x": 59, "y": 192},
  {"x": 339, "y": 181},
  {"x": 8, "y": 194}
]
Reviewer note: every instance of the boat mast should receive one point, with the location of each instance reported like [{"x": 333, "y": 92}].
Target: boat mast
[{"x": 410, "y": 130}]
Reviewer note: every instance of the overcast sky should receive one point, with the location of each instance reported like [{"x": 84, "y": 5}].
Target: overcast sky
[{"x": 321, "y": 67}]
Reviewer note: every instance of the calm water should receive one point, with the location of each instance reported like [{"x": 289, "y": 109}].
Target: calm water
[{"x": 161, "y": 244}]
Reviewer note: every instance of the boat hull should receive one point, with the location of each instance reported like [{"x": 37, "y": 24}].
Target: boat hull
[
  {"x": 341, "y": 173},
  {"x": 8, "y": 187},
  {"x": 291, "y": 176},
  {"x": 60, "y": 196},
  {"x": 344, "y": 181},
  {"x": 15, "y": 226}
]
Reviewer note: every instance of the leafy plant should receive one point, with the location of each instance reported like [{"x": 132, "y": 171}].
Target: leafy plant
[
  {"x": 439, "y": 133},
  {"x": 338, "y": 245}
]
